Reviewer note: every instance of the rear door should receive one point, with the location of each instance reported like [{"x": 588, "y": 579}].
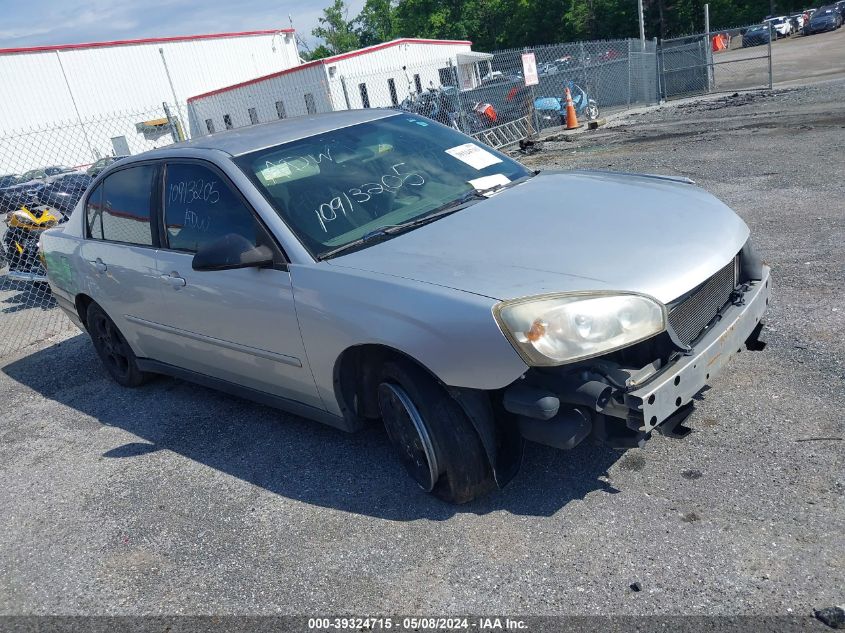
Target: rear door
[
  {"x": 236, "y": 325},
  {"x": 119, "y": 253}
]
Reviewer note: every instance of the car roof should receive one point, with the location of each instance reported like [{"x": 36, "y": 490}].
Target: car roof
[{"x": 250, "y": 138}]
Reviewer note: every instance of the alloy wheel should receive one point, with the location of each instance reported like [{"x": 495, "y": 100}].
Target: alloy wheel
[
  {"x": 409, "y": 433},
  {"x": 112, "y": 346}
]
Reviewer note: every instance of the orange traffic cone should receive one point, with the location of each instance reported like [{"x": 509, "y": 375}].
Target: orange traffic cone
[{"x": 571, "y": 118}]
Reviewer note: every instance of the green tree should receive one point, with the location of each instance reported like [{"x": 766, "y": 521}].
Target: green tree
[
  {"x": 374, "y": 24},
  {"x": 318, "y": 53},
  {"x": 336, "y": 30},
  {"x": 500, "y": 24}
]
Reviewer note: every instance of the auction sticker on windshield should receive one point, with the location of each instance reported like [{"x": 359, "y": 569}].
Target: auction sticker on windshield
[{"x": 473, "y": 155}]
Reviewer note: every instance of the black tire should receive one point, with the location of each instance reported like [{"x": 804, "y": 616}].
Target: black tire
[
  {"x": 433, "y": 437},
  {"x": 113, "y": 350}
]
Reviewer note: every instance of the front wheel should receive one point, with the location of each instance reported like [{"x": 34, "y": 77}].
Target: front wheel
[
  {"x": 113, "y": 350},
  {"x": 592, "y": 110},
  {"x": 432, "y": 435}
]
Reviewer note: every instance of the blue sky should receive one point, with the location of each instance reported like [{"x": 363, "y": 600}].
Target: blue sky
[{"x": 38, "y": 22}]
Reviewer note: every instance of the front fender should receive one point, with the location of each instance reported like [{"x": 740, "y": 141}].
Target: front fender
[{"x": 450, "y": 332}]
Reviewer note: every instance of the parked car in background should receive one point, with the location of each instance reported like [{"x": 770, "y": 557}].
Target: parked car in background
[
  {"x": 371, "y": 266},
  {"x": 559, "y": 65},
  {"x": 826, "y": 18},
  {"x": 101, "y": 164},
  {"x": 497, "y": 78},
  {"x": 840, "y": 6},
  {"x": 20, "y": 193},
  {"x": 797, "y": 20},
  {"x": 781, "y": 26},
  {"x": 609, "y": 55},
  {"x": 64, "y": 192},
  {"x": 32, "y": 174},
  {"x": 8, "y": 180},
  {"x": 29, "y": 184},
  {"x": 757, "y": 35},
  {"x": 57, "y": 170}
]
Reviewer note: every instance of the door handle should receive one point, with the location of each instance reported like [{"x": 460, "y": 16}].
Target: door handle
[
  {"x": 100, "y": 265},
  {"x": 174, "y": 280}
]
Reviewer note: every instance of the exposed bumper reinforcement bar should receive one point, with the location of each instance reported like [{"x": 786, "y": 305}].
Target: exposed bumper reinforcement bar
[{"x": 670, "y": 391}]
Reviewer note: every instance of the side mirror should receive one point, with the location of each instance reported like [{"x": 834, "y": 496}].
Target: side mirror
[{"x": 230, "y": 252}]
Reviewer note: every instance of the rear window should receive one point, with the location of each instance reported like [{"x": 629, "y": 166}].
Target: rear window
[{"x": 118, "y": 210}]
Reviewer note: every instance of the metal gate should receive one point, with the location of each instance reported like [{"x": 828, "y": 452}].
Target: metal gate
[{"x": 688, "y": 66}]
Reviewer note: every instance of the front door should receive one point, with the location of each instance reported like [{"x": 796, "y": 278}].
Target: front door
[{"x": 236, "y": 325}]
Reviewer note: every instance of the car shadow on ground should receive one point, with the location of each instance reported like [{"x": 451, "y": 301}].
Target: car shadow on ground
[{"x": 285, "y": 454}]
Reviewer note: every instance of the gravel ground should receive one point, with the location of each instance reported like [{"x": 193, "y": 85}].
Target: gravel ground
[{"x": 176, "y": 499}]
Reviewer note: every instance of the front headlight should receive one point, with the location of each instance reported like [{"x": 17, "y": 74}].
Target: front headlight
[{"x": 562, "y": 328}]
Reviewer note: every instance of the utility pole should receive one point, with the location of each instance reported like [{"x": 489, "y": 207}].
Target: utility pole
[
  {"x": 173, "y": 92},
  {"x": 642, "y": 23},
  {"x": 76, "y": 108}
]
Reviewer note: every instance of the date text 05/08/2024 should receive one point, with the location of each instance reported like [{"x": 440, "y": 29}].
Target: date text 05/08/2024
[{"x": 416, "y": 623}]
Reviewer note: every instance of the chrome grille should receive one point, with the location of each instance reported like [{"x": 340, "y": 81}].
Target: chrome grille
[{"x": 691, "y": 315}]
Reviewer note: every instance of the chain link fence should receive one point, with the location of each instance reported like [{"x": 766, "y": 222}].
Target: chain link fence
[
  {"x": 481, "y": 94},
  {"x": 722, "y": 61},
  {"x": 43, "y": 174},
  {"x": 45, "y": 169}
]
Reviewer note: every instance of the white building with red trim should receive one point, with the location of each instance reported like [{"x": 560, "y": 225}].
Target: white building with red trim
[
  {"x": 377, "y": 76},
  {"x": 78, "y": 102}
]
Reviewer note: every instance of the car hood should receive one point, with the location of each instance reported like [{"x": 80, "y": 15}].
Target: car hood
[{"x": 569, "y": 231}]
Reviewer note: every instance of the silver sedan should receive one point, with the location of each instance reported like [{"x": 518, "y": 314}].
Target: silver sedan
[{"x": 374, "y": 266}]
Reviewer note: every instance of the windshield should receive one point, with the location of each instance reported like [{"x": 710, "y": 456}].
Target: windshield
[{"x": 338, "y": 187}]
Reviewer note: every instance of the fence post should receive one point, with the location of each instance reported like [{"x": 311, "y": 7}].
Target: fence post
[
  {"x": 661, "y": 73},
  {"x": 75, "y": 107},
  {"x": 174, "y": 128},
  {"x": 708, "y": 52},
  {"x": 462, "y": 115},
  {"x": 172, "y": 89},
  {"x": 657, "y": 71},
  {"x": 629, "y": 73},
  {"x": 345, "y": 93},
  {"x": 771, "y": 81}
]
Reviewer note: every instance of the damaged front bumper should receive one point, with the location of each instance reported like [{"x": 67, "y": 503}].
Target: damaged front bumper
[
  {"x": 622, "y": 404},
  {"x": 675, "y": 387}
]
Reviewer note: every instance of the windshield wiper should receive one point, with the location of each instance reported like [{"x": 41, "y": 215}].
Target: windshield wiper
[
  {"x": 370, "y": 236},
  {"x": 390, "y": 230},
  {"x": 467, "y": 199}
]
